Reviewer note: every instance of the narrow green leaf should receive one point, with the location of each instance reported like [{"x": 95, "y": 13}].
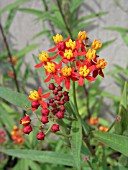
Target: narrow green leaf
[
  {"x": 116, "y": 142},
  {"x": 10, "y": 19},
  {"x": 118, "y": 29},
  {"x": 6, "y": 119},
  {"x": 41, "y": 33},
  {"x": 75, "y": 4},
  {"x": 124, "y": 96},
  {"x": 76, "y": 142},
  {"x": 31, "y": 11},
  {"x": 15, "y": 98},
  {"x": 26, "y": 50},
  {"x": 42, "y": 156},
  {"x": 90, "y": 16},
  {"x": 125, "y": 38},
  {"x": 13, "y": 5},
  {"x": 106, "y": 44}
]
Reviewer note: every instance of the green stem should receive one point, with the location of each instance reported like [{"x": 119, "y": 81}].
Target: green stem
[
  {"x": 111, "y": 126},
  {"x": 89, "y": 163},
  {"x": 74, "y": 98}
]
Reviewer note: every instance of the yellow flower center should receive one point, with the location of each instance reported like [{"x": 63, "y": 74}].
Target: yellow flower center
[
  {"x": 91, "y": 54},
  {"x": 58, "y": 38},
  {"x": 68, "y": 54},
  {"x": 43, "y": 56},
  {"x": 50, "y": 67},
  {"x": 82, "y": 36},
  {"x": 71, "y": 44},
  {"x": 83, "y": 71},
  {"x": 101, "y": 63},
  {"x": 34, "y": 95},
  {"x": 96, "y": 44},
  {"x": 66, "y": 71}
]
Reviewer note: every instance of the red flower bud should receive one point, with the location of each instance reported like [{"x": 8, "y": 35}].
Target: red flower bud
[
  {"x": 55, "y": 97},
  {"x": 66, "y": 98},
  {"x": 62, "y": 108},
  {"x": 60, "y": 115},
  {"x": 61, "y": 102},
  {"x": 44, "y": 119},
  {"x": 51, "y": 100},
  {"x": 51, "y": 86},
  {"x": 35, "y": 104},
  {"x": 25, "y": 120},
  {"x": 40, "y": 136},
  {"x": 27, "y": 129},
  {"x": 60, "y": 94},
  {"x": 59, "y": 88},
  {"x": 55, "y": 127},
  {"x": 54, "y": 111},
  {"x": 55, "y": 92},
  {"x": 65, "y": 93},
  {"x": 58, "y": 98},
  {"x": 45, "y": 112}
]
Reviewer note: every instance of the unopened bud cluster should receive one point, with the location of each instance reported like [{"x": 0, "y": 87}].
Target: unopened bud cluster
[{"x": 51, "y": 111}]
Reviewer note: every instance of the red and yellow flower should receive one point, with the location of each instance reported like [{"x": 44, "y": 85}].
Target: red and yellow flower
[{"x": 38, "y": 96}]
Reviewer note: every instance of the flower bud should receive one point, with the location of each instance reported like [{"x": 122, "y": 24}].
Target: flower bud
[
  {"x": 62, "y": 108},
  {"x": 27, "y": 129},
  {"x": 55, "y": 127},
  {"x": 55, "y": 92},
  {"x": 60, "y": 94},
  {"x": 51, "y": 86},
  {"x": 25, "y": 120},
  {"x": 59, "y": 88},
  {"x": 44, "y": 119},
  {"x": 51, "y": 100},
  {"x": 45, "y": 112},
  {"x": 40, "y": 136},
  {"x": 61, "y": 102},
  {"x": 66, "y": 98},
  {"x": 65, "y": 93},
  {"x": 35, "y": 104},
  {"x": 60, "y": 115}
]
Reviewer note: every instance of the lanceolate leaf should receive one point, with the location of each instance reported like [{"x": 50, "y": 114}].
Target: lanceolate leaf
[
  {"x": 10, "y": 19},
  {"x": 122, "y": 125},
  {"x": 26, "y": 50},
  {"x": 31, "y": 11},
  {"x": 15, "y": 98},
  {"x": 6, "y": 119},
  {"x": 76, "y": 142},
  {"x": 116, "y": 142},
  {"x": 107, "y": 43},
  {"x": 42, "y": 156},
  {"x": 13, "y": 5},
  {"x": 76, "y": 4}
]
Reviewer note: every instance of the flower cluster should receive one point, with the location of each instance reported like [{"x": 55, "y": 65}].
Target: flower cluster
[
  {"x": 17, "y": 135},
  {"x": 51, "y": 111},
  {"x": 78, "y": 62},
  {"x": 2, "y": 136}
]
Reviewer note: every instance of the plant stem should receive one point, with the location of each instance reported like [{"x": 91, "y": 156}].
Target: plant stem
[
  {"x": 111, "y": 126},
  {"x": 64, "y": 19},
  {"x": 10, "y": 56},
  {"x": 90, "y": 164},
  {"x": 87, "y": 104}
]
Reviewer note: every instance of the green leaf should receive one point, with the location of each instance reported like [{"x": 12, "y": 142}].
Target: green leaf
[
  {"x": 31, "y": 11},
  {"x": 41, "y": 33},
  {"x": 76, "y": 142},
  {"x": 75, "y": 4},
  {"x": 42, "y": 156},
  {"x": 122, "y": 125},
  {"x": 106, "y": 44},
  {"x": 15, "y": 98},
  {"x": 6, "y": 119},
  {"x": 116, "y": 142},
  {"x": 125, "y": 38},
  {"x": 90, "y": 16},
  {"x": 10, "y": 19},
  {"x": 124, "y": 96},
  {"x": 26, "y": 50},
  {"x": 118, "y": 29},
  {"x": 13, "y": 5}
]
